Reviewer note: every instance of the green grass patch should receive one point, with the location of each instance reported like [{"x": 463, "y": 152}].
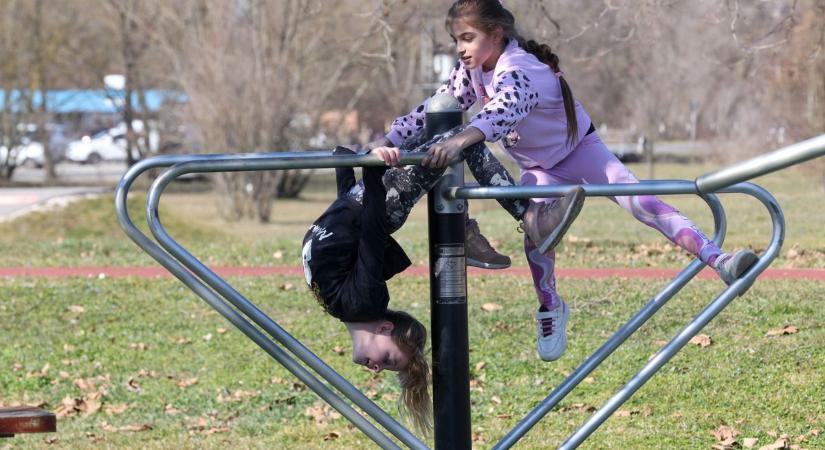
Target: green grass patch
[
  {"x": 181, "y": 369},
  {"x": 95, "y": 345}
]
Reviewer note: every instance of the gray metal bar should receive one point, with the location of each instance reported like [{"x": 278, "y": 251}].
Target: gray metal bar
[
  {"x": 241, "y": 302},
  {"x": 619, "y": 337},
  {"x": 209, "y": 296},
  {"x": 761, "y": 165},
  {"x": 665, "y": 187},
  {"x": 706, "y": 315}
]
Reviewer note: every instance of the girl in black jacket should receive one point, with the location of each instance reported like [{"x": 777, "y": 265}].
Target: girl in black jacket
[{"x": 348, "y": 255}]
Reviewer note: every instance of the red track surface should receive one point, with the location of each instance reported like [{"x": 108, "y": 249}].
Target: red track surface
[{"x": 415, "y": 271}]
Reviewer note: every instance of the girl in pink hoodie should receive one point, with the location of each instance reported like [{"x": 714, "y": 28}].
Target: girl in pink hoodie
[{"x": 527, "y": 104}]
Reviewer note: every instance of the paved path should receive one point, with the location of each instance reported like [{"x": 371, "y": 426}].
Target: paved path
[
  {"x": 415, "y": 271},
  {"x": 17, "y": 201}
]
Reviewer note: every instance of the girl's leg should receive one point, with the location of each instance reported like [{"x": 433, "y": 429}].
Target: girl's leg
[
  {"x": 592, "y": 163},
  {"x": 542, "y": 265},
  {"x": 489, "y": 171}
]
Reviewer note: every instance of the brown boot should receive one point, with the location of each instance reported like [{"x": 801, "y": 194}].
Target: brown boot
[
  {"x": 545, "y": 224},
  {"x": 479, "y": 252}
]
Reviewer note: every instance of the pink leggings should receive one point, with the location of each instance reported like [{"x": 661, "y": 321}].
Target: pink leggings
[{"x": 592, "y": 163}]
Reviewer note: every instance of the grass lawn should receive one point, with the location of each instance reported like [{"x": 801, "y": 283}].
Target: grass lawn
[{"x": 145, "y": 363}]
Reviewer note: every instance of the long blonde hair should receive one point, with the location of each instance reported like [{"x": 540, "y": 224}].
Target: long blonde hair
[{"x": 415, "y": 402}]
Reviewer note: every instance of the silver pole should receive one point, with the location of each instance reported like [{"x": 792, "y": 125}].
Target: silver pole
[
  {"x": 668, "y": 351},
  {"x": 761, "y": 165}
]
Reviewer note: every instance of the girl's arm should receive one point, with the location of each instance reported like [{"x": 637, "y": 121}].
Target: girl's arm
[
  {"x": 513, "y": 100},
  {"x": 459, "y": 86},
  {"x": 369, "y": 265}
]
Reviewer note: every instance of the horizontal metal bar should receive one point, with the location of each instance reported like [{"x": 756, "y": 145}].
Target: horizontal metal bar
[
  {"x": 620, "y": 336},
  {"x": 705, "y": 316},
  {"x": 650, "y": 187},
  {"x": 761, "y": 165}
]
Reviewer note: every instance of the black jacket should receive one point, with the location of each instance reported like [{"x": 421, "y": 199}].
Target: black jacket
[{"x": 351, "y": 254}]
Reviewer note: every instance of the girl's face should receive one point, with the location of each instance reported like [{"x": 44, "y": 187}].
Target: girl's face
[
  {"x": 375, "y": 349},
  {"x": 475, "y": 47}
]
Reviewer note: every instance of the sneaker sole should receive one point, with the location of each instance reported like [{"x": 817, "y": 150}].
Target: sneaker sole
[
  {"x": 484, "y": 265},
  {"x": 569, "y": 217}
]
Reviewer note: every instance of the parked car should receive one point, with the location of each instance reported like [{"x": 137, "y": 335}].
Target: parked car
[
  {"x": 29, "y": 154},
  {"x": 108, "y": 145}
]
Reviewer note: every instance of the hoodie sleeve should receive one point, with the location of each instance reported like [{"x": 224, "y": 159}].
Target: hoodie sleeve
[
  {"x": 459, "y": 86},
  {"x": 513, "y": 100}
]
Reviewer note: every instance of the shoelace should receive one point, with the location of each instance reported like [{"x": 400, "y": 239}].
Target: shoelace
[{"x": 547, "y": 325}]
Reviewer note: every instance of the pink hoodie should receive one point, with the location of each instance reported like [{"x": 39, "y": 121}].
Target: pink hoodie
[{"x": 522, "y": 104}]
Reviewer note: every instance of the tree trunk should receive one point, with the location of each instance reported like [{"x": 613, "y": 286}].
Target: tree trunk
[{"x": 43, "y": 109}]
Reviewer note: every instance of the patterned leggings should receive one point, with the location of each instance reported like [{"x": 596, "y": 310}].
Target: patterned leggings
[
  {"x": 592, "y": 162},
  {"x": 407, "y": 184}
]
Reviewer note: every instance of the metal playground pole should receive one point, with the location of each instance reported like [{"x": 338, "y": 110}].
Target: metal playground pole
[{"x": 448, "y": 293}]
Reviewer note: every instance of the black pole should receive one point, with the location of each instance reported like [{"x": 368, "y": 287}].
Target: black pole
[{"x": 448, "y": 294}]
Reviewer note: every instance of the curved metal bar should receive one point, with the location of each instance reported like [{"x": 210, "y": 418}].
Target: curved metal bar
[
  {"x": 705, "y": 316},
  {"x": 241, "y": 302},
  {"x": 620, "y": 336},
  {"x": 121, "y": 195},
  {"x": 761, "y": 165}
]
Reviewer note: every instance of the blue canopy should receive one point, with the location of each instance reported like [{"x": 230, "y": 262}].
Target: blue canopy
[{"x": 93, "y": 100}]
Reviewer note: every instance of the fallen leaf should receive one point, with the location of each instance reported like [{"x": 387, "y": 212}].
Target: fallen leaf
[
  {"x": 480, "y": 365},
  {"x": 90, "y": 404},
  {"x": 221, "y": 330},
  {"x": 789, "y": 329},
  {"x": 338, "y": 350},
  {"x": 781, "y": 443},
  {"x": 727, "y": 444},
  {"x": 186, "y": 382},
  {"x": 68, "y": 407},
  {"x": 389, "y": 397},
  {"x": 495, "y": 400},
  {"x": 113, "y": 410},
  {"x": 183, "y": 341},
  {"x": 504, "y": 416},
  {"x": 133, "y": 386},
  {"x": 702, "y": 340},
  {"x": 207, "y": 337},
  {"x": 287, "y": 286},
  {"x": 50, "y": 440},
  {"x": 331, "y": 436},
  {"x": 321, "y": 414},
  {"x": 237, "y": 396},
  {"x": 77, "y": 309},
  {"x": 578, "y": 407},
  {"x": 214, "y": 430},
  {"x": 490, "y": 307},
  {"x": 169, "y": 409},
  {"x": 725, "y": 432},
  {"x": 126, "y": 428},
  {"x": 278, "y": 255},
  {"x": 139, "y": 346},
  {"x": 749, "y": 442},
  {"x": 147, "y": 373}
]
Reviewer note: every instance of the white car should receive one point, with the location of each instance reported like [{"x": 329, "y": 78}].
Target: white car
[
  {"x": 107, "y": 145},
  {"x": 29, "y": 155}
]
